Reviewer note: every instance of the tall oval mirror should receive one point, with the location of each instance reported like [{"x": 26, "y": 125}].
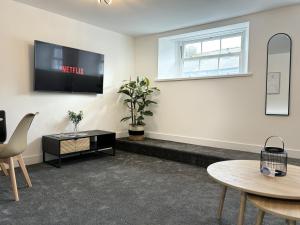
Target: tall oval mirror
[{"x": 278, "y": 75}]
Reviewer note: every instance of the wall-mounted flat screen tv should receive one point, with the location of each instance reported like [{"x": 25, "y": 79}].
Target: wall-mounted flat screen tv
[{"x": 63, "y": 69}]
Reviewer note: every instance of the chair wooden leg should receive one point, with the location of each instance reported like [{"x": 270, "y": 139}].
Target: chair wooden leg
[
  {"x": 3, "y": 168},
  {"x": 221, "y": 204},
  {"x": 260, "y": 217},
  {"x": 24, "y": 170},
  {"x": 13, "y": 178}
]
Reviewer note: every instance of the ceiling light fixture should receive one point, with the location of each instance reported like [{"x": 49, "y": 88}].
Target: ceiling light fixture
[{"x": 108, "y": 2}]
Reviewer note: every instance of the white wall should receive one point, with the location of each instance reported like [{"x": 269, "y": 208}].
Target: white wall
[
  {"x": 228, "y": 112},
  {"x": 20, "y": 25}
]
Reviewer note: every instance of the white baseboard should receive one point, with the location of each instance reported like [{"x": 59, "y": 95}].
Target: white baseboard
[
  {"x": 33, "y": 159},
  {"x": 293, "y": 153},
  {"x": 122, "y": 134}
]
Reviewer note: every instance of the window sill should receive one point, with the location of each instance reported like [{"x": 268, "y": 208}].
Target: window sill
[{"x": 202, "y": 78}]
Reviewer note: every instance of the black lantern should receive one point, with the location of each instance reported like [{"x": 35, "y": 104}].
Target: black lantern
[{"x": 273, "y": 160}]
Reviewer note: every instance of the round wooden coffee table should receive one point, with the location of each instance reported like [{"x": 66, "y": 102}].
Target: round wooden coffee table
[
  {"x": 287, "y": 209},
  {"x": 244, "y": 175}
]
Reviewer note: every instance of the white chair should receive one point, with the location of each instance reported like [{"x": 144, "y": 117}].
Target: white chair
[{"x": 14, "y": 149}]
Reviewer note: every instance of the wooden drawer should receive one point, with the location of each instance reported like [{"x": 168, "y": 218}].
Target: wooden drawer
[
  {"x": 71, "y": 146},
  {"x": 67, "y": 147},
  {"x": 82, "y": 144}
]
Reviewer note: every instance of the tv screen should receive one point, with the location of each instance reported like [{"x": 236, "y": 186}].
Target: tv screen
[{"x": 64, "y": 69}]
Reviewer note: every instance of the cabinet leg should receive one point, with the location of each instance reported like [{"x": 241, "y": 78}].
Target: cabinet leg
[
  {"x": 59, "y": 162},
  {"x": 44, "y": 160}
]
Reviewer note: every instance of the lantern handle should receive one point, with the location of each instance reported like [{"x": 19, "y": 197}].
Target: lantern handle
[{"x": 274, "y": 137}]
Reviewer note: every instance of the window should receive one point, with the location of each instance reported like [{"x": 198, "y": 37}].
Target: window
[{"x": 215, "y": 52}]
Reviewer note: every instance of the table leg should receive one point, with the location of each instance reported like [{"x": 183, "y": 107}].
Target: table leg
[
  {"x": 221, "y": 204},
  {"x": 243, "y": 202},
  {"x": 260, "y": 217}
]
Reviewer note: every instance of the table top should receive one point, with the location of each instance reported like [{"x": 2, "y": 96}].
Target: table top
[
  {"x": 283, "y": 208},
  {"x": 81, "y": 134},
  {"x": 245, "y": 175}
]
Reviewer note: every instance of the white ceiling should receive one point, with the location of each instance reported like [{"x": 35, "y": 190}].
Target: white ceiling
[{"x": 140, "y": 17}]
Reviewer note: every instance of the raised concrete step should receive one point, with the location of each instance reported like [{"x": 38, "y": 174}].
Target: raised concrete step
[{"x": 186, "y": 153}]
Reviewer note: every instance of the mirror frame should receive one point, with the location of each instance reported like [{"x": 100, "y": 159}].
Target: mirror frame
[{"x": 266, "y": 93}]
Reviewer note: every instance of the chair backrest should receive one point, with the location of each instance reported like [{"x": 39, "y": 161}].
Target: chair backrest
[
  {"x": 2, "y": 126},
  {"x": 18, "y": 141}
]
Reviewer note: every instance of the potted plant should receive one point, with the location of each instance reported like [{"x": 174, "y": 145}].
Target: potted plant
[
  {"x": 138, "y": 98},
  {"x": 75, "y": 118}
]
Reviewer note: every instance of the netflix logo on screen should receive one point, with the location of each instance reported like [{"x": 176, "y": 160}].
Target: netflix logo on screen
[{"x": 72, "y": 69}]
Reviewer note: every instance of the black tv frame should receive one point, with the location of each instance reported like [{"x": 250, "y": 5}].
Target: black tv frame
[{"x": 63, "y": 91}]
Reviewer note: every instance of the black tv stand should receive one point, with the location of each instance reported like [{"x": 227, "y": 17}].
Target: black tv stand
[{"x": 59, "y": 146}]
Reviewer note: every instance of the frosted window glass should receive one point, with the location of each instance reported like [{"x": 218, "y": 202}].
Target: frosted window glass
[
  {"x": 192, "y": 50},
  {"x": 191, "y": 66},
  {"x": 211, "y": 46},
  {"x": 229, "y": 62},
  {"x": 209, "y": 64}
]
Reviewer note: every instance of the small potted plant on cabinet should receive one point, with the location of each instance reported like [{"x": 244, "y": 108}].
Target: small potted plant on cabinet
[
  {"x": 138, "y": 98},
  {"x": 75, "y": 118}
]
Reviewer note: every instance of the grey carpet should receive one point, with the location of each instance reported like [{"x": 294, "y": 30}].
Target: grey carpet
[{"x": 127, "y": 189}]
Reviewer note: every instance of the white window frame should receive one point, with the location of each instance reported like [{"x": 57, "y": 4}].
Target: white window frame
[
  {"x": 182, "y": 45},
  {"x": 241, "y": 29}
]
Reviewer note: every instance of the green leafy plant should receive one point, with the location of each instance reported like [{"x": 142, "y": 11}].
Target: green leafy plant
[
  {"x": 138, "y": 95},
  {"x": 75, "y": 118}
]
